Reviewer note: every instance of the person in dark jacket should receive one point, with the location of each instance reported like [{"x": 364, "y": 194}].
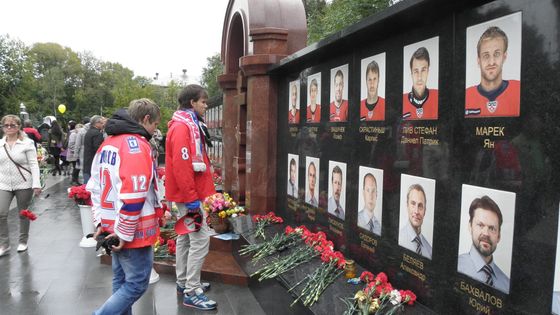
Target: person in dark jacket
[
  {"x": 56, "y": 141},
  {"x": 92, "y": 140}
]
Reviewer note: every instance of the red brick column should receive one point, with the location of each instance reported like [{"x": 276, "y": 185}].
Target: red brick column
[{"x": 270, "y": 45}]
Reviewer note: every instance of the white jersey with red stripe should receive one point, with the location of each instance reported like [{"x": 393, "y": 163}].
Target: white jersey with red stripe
[{"x": 123, "y": 189}]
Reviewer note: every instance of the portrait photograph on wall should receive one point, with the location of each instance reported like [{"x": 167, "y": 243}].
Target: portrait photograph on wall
[
  {"x": 312, "y": 181},
  {"x": 293, "y": 109},
  {"x": 486, "y": 235},
  {"x": 421, "y": 80},
  {"x": 416, "y": 220},
  {"x": 338, "y": 107},
  {"x": 556, "y": 290},
  {"x": 314, "y": 98},
  {"x": 372, "y": 88},
  {"x": 493, "y": 68},
  {"x": 370, "y": 199},
  {"x": 337, "y": 189},
  {"x": 293, "y": 165}
]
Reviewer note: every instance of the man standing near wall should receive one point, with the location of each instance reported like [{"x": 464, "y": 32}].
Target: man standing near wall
[{"x": 188, "y": 182}]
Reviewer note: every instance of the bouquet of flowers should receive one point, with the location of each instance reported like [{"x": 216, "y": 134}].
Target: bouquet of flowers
[
  {"x": 262, "y": 221},
  {"x": 219, "y": 207},
  {"x": 218, "y": 203},
  {"x": 378, "y": 297},
  {"x": 80, "y": 195},
  {"x": 28, "y": 214},
  {"x": 317, "y": 282}
]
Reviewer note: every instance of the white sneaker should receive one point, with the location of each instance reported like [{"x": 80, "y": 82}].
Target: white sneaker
[
  {"x": 22, "y": 247},
  {"x": 4, "y": 251},
  {"x": 154, "y": 276}
]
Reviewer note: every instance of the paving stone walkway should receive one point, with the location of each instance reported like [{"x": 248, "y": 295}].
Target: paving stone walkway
[{"x": 56, "y": 276}]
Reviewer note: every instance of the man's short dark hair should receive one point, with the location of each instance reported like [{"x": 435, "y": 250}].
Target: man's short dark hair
[
  {"x": 485, "y": 203},
  {"x": 420, "y": 54},
  {"x": 372, "y": 177},
  {"x": 419, "y": 188},
  {"x": 292, "y": 162},
  {"x": 191, "y": 92},
  {"x": 492, "y": 32},
  {"x": 339, "y": 73},
  {"x": 372, "y": 67},
  {"x": 336, "y": 170}
]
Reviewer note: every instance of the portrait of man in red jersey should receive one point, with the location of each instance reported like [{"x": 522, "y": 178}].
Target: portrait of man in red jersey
[
  {"x": 420, "y": 80},
  {"x": 494, "y": 68},
  {"x": 314, "y": 98},
  {"x": 293, "y": 110},
  {"x": 372, "y": 104},
  {"x": 338, "y": 111}
]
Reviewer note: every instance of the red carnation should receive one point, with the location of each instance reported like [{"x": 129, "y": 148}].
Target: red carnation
[
  {"x": 28, "y": 214},
  {"x": 381, "y": 278},
  {"x": 366, "y": 277}
]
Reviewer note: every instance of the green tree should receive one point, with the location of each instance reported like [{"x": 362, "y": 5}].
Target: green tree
[
  {"x": 210, "y": 74},
  {"x": 57, "y": 72},
  {"x": 16, "y": 78},
  {"x": 325, "y": 19}
]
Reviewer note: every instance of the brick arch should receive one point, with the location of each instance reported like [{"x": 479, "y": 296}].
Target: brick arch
[{"x": 256, "y": 34}]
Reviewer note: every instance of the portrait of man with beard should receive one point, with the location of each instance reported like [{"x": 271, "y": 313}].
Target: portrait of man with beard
[{"x": 485, "y": 227}]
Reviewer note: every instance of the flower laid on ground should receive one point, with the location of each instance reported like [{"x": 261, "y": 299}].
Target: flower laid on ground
[
  {"x": 28, "y": 214},
  {"x": 378, "y": 297},
  {"x": 313, "y": 244},
  {"x": 278, "y": 242},
  {"x": 332, "y": 266},
  {"x": 262, "y": 221},
  {"x": 80, "y": 195}
]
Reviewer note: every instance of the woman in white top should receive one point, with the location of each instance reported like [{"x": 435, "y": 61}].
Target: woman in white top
[{"x": 19, "y": 177}]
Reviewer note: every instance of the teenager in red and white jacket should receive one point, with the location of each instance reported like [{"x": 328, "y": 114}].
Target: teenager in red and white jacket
[
  {"x": 188, "y": 181},
  {"x": 123, "y": 189}
]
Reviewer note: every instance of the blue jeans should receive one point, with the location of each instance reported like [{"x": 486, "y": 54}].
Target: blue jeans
[{"x": 131, "y": 277}]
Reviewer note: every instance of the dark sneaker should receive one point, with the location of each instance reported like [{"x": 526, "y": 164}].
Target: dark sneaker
[
  {"x": 204, "y": 285},
  {"x": 198, "y": 300}
]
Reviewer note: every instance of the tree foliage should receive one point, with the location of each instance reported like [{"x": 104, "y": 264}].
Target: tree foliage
[
  {"x": 210, "y": 74},
  {"x": 46, "y": 74},
  {"x": 325, "y": 18}
]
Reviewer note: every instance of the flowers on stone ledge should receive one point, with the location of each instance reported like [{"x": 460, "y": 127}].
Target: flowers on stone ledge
[
  {"x": 378, "y": 297},
  {"x": 262, "y": 221}
]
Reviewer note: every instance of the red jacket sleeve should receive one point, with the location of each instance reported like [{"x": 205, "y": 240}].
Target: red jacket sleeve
[{"x": 179, "y": 162}]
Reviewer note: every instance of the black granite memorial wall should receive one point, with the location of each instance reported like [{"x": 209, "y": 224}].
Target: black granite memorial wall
[{"x": 459, "y": 148}]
